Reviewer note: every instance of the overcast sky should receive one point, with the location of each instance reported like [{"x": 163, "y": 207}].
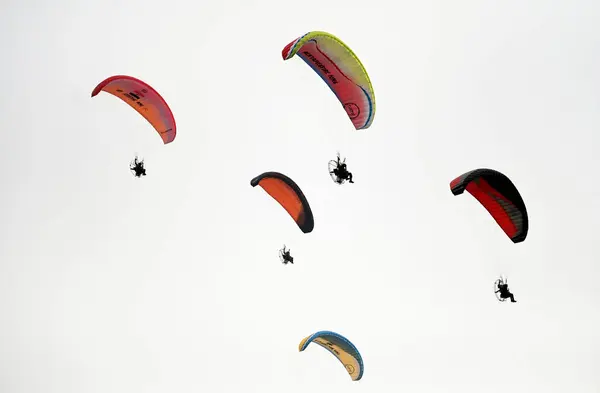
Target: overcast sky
[{"x": 171, "y": 283}]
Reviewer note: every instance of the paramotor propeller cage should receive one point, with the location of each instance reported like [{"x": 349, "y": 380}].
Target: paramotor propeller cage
[
  {"x": 133, "y": 164},
  {"x": 281, "y": 258},
  {"x": 497, "y": 289},
  {"x": 333, "y": 164}
]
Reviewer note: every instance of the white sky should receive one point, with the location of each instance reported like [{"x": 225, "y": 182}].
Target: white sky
[{"x": 171, "y": 283}]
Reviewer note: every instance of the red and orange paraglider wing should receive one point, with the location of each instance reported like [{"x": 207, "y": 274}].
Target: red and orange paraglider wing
[
  {"x": 499, "y": 196},
  {"x": 290, "y": 197},
  {"x": 145, "y": 100}
]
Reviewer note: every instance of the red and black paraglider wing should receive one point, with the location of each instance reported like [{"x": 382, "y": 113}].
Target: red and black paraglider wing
[
  {"x": 499, "y": 196},
  {"x": 290, "y": 197}
]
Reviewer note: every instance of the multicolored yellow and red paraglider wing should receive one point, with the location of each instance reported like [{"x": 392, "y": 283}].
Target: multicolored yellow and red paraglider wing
[
  {"x": 341, "y": 348},
  {"x": 341, "y": 69},
  {"x": 499, "y": 196},
  {"x": 145, "y": 100},
  {"x": 290, "y": 197}
]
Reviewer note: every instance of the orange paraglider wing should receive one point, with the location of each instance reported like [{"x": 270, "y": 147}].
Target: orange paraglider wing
[
  {"x": 145, "y": 100},
  {"x": 290, "y": 197}
]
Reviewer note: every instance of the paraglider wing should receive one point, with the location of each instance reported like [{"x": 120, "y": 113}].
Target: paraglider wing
[
  {"x": 290, "y": 197},
  {"x": 145, "y": 100},
  {"x": 341, "y": 69},
  {"x": 499, "y": 196},
  {"x": 341, "y": 348}
]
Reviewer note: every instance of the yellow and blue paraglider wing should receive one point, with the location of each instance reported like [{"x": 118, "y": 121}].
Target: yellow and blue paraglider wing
[
  {"x": 341, "y": 69},
  {"x": 341, "y": 348}
]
